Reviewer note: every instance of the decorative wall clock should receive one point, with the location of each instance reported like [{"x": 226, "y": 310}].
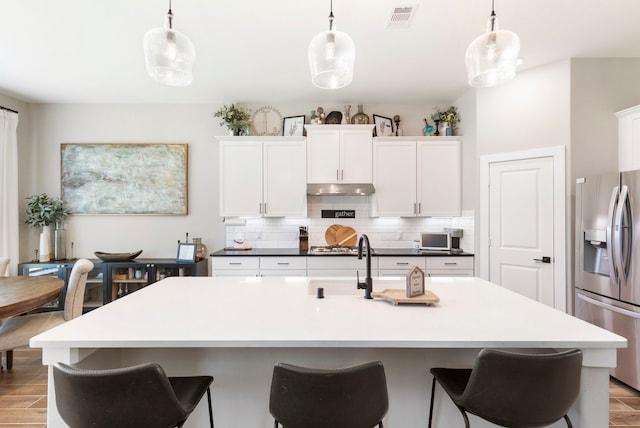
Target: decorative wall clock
[{"x": 267, "y": 121}]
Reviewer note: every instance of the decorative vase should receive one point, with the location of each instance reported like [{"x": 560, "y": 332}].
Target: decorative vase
[
  {"x": 360, "y": 118},
  {"x": 44, "y": 251},
  {"x": 59, "y": 242},
  {"x": 201, "y": 249}
]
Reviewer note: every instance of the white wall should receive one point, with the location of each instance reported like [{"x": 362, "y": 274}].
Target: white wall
[
  {"x": 531, "y": 111},
  {"x": 155, "y": 235},
  {"x": 52, "y": 125},
  {"x": 599, "y": 88}
]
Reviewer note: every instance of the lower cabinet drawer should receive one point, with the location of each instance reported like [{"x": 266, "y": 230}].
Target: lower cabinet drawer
[
  {"x": 401, "y": 263},
  {"x": 465, "y": 262},
  {"x": 235, "y": 263},
  {"x": 292, "y": 263}
]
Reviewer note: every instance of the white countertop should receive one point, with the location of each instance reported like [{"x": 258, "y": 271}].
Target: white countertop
[{"x": 284, "y": 312}]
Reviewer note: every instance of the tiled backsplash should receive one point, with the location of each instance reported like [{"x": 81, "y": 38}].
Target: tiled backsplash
[{"x": 382, "y": 232}]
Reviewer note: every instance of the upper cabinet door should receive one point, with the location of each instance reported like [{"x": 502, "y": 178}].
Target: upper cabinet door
[
  {"x": 439, "y": 178},
  {"x": 356, "y": 155},
  {"x": 240, "y": 178},
  {"x": 394, "y": 178},
  {"x": 323, "y": 156},
  {"x": 339, "y": 153},
  {"x": 285, "y": 177}
]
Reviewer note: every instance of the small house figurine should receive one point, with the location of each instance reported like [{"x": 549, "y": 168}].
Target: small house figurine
[{"x": 415, "y": 282}]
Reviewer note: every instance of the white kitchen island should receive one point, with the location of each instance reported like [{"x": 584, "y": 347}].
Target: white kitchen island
[{"x": 236, "y": 329}]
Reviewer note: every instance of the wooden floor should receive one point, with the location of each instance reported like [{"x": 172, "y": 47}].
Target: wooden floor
[{"x": 23, "y": 396}]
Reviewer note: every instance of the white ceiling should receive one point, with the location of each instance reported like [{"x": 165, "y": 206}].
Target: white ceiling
[{"x": 90, "y": 51}]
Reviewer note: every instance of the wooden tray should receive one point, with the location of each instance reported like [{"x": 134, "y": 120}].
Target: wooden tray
[
  {"x": 330, "y": 234},
  {"x": 346, "y": 237},
  {"x": 396, "y": 296}
]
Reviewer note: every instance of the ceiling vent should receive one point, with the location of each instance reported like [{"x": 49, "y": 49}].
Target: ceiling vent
[{"x": 401, "y": 16}]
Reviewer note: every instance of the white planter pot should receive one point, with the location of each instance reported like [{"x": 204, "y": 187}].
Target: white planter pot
[{"x": 44, "y": 250}]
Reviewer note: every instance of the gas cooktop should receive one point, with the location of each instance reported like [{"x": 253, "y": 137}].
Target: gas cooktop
[{"x": 333, "y": 250}]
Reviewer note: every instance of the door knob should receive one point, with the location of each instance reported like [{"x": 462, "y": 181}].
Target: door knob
[{"x": 544, "y": 259}]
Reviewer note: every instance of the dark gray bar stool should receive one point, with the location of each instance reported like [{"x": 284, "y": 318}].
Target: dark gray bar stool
[
  {"x": 351, "y": 397},
  {"x": 140, "y": 396},
  {"x": 514, "y": 389}
]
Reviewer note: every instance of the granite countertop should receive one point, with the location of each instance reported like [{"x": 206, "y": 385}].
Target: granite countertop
[{"x": 379, "y": 252}]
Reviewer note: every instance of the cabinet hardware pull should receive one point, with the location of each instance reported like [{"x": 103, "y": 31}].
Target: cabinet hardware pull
[
  {"x": 337, "y": 175},
  {"x": 419, "y": 207},
  {"x": 415, "y": 211},
  {"x": 265, "y": 208},
  {"x": 283, "y": 263},
  {"x": 450, "y": 263},
  {"x": 342, "y": 176},
  {"x": 402, "y": 263},
  {"x": 235, "y": 263}
]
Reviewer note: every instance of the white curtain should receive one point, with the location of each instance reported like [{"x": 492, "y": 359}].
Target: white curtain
[{"x": 9, "y": 204}]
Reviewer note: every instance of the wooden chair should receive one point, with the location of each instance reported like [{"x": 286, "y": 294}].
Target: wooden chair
[
  {"x": 17, "y": 331},
  {"x": 352, "y": 397},
  {"x": 514, "y": 389},
  {"x": 4, "y": 265}
]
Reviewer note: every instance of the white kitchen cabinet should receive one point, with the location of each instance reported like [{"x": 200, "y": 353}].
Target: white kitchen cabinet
[
  {"x": 263, "y": 177},
  {"x": 235, "y": 266},
  {"x": 416, "y": 178},
  {"x": 449, "y": 266},
  {"x": 346, "y": 266},
  {"x": 339, "y": 153},
  {"x": 283, "y": 266},
  {"x": 629, "y": 138},
  {"x": 399, "y": 266}
]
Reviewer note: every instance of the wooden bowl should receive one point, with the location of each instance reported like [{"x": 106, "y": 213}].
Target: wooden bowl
[{"x": 117, "y": 257}]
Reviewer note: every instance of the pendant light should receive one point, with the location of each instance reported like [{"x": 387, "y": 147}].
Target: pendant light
[
  {"x": 331, "y": 57},
  {"x": 169, "y": 55},
  {"x": 492, "y": 57}
]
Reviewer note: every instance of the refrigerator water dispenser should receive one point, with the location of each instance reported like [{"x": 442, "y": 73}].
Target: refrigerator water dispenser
[{"x": 596, "y": 259}]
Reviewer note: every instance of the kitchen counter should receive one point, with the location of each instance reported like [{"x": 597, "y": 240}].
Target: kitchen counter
[
  {"x": 236, "y": 329},
  {"x": 377, "y": 252}
]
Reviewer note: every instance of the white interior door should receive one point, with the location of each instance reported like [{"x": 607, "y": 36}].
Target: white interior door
[{"x": 521, "y": 227}]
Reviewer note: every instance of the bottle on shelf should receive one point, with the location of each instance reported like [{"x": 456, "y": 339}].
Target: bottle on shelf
[{"x": 201, "y": 249}]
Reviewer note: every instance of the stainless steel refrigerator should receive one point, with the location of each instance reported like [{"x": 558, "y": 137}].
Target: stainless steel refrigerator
[{"x": 607, "y": 258}]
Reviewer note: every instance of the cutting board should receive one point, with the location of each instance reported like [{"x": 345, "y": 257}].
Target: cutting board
[
  {"x": 330, "y": 234},
  {"x": 346, "y": 237},
  {"x": 398, "y": 295}
]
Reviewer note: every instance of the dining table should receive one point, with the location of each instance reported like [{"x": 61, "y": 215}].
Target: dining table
[{"x": 20, "y": 294}]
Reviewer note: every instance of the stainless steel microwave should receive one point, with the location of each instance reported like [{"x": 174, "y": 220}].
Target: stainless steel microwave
[{"x": 439, "y": 241}]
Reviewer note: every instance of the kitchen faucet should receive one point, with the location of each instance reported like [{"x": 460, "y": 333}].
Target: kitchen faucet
[{"x": 367, "y": 285}]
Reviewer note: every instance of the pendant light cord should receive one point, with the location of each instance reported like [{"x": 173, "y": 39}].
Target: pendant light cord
[
  {"x": 330, "y": 17},
  {"x": 170, "y": 16},
  {"x": 493, "y": 16}
]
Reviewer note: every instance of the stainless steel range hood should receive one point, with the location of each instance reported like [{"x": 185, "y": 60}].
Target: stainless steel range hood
[{"x": 340, "y": 189}]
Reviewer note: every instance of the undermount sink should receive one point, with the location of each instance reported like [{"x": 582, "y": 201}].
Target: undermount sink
[
  {"x": 334, "y": 286},
  {"x": 348, "y": 286}
]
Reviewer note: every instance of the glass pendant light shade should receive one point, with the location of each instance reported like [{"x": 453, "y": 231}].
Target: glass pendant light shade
[
  {"x": 331, "y": 57},
  {"x": 492, "y": 58},
  {"x": 169, "y": 55}
]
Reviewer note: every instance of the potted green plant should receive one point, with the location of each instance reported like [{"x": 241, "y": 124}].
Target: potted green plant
[
  {"x": 450, "y": 116},
  {"x": 234, "y": 117},
  {"x": 43, "y": 211}
]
